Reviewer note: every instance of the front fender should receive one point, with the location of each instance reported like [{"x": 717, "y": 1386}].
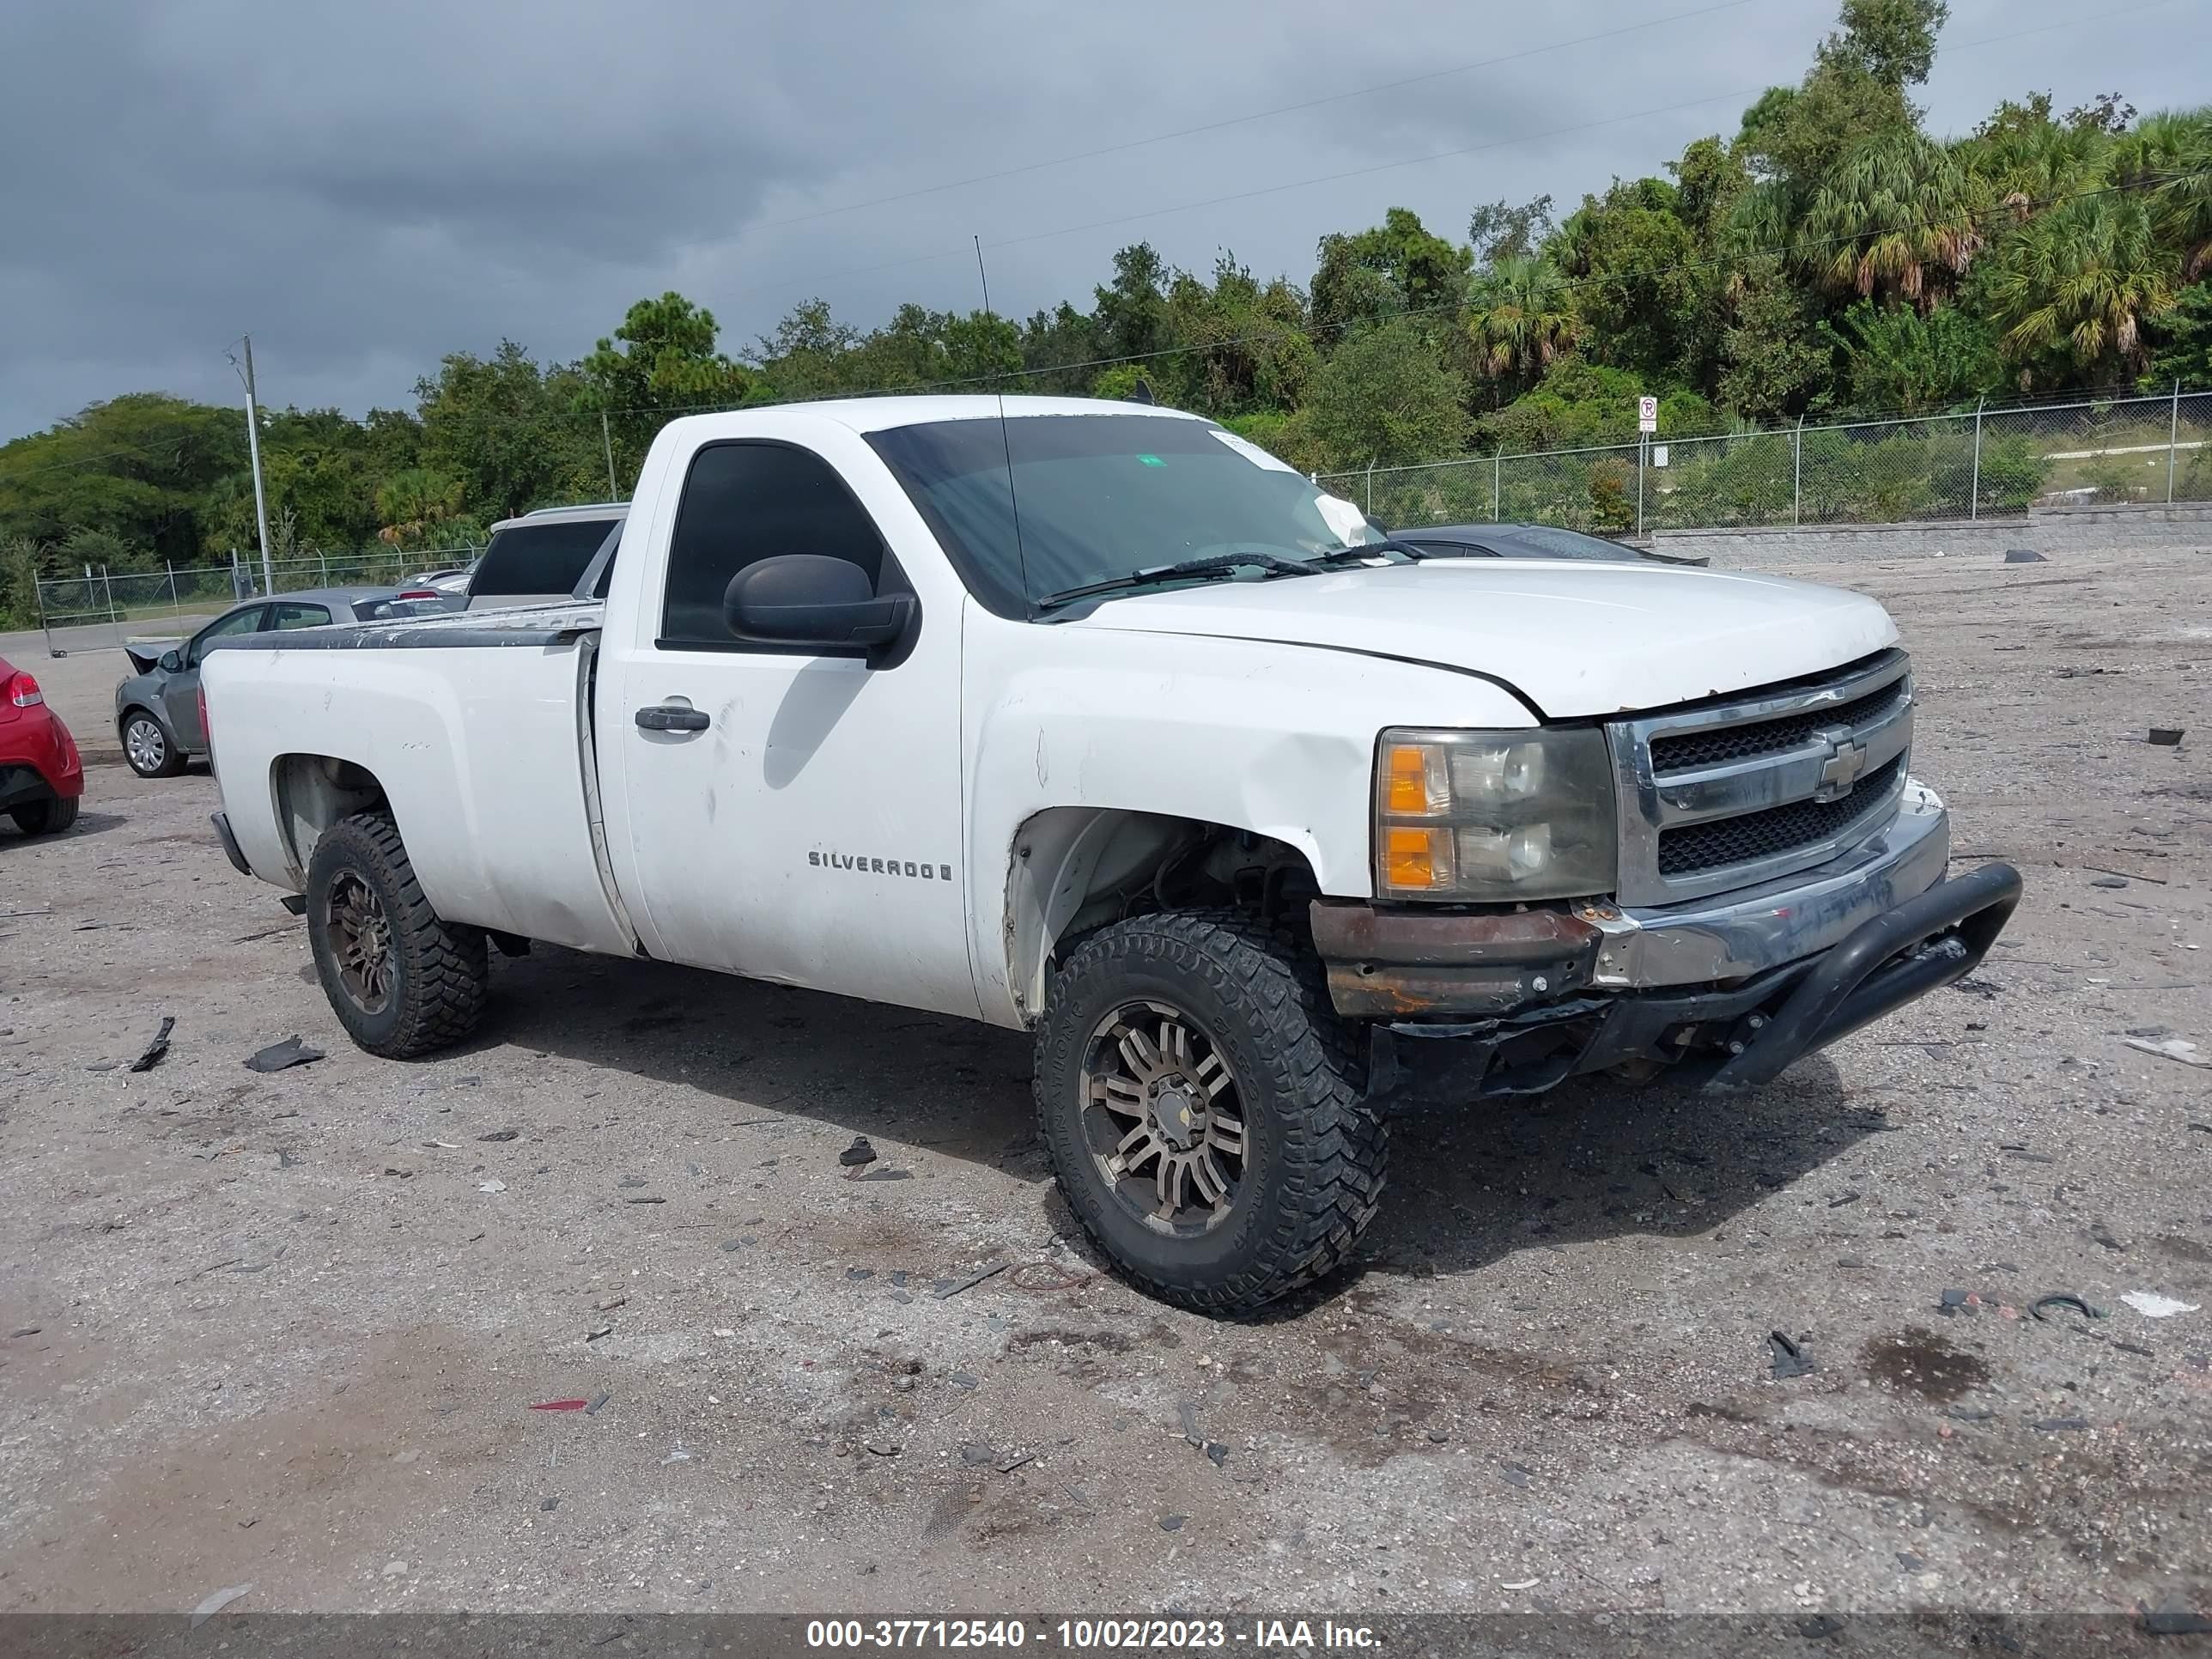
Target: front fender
[{"x": 1251, "y": 735}]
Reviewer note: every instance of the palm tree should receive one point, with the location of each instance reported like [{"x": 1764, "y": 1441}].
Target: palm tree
[
  {"x": 2030, "y": 167},
  {"x": 2080, "y": 282},
  {"x": 1899, "y": 216},
  {"x": 413, "y": 503},
  {"x": 1522, "y": 318},
  {"x": 2168, "y": 158}
]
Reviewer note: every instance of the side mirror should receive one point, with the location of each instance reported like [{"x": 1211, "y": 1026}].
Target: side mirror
[
  {"x": 173, "y": 662},
  {"x": 803, "y": 598}
]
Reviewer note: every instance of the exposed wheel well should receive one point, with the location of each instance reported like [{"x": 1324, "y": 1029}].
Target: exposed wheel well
[
  {"x": 1076, "y": 869},
  {"x": 313, "y": 793}
]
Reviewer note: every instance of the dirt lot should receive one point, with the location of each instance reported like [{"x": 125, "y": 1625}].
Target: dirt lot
[{"x": 286, "y": 1330}]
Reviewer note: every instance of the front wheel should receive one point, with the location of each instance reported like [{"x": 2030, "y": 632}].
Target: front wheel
[
  {"x": 148, "y": 748},
  {"x": 402, "y": 982},
  {"x": 1203, "y": 1107}
]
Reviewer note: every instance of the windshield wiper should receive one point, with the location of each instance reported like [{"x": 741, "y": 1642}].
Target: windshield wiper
[
  {"x": 1219, "y": 565},
  {"x": 1359, "y": 554}
]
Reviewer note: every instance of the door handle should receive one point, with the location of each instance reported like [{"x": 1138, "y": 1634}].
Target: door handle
[{"x": 672, "y": 717}]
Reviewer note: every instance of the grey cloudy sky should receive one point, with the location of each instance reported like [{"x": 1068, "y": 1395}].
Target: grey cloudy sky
[{"x": 367, "y": 187}]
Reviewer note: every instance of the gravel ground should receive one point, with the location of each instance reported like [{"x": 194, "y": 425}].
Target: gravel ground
[{"x": 287, "y": 1330}]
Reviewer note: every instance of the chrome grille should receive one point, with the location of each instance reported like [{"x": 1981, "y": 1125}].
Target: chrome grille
[
  {"x": 1694, "y": 749},
  {"x": 1745, "y": 789},
  {"x": 1777, "y": 829}
]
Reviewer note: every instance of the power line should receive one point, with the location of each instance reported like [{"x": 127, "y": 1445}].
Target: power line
[
  {"x": 1256, "y": 115},
  {"x": 815, "y": 280}
]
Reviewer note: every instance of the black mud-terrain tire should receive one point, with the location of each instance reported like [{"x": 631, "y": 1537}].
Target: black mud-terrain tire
[
  {"x": 440, "y": 971},
  {"x": 152, "y": 753},
  {"x": 1314, "y": 1174},
  {"x": 44, "y": 817}
]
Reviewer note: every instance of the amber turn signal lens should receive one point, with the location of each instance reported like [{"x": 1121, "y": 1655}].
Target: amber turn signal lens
[
  {"x": 1405, "y": 781},
  {"x": 1416, "y": 858}
]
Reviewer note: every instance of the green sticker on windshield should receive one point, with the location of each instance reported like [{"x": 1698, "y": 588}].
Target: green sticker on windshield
[{"x": 1151, "y": 460}]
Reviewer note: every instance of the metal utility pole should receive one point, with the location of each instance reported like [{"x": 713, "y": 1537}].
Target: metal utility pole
[
  {"x": 1974, "y": 498},
  {"x": 253, "y": 447},
  {"x": 1797, "y": 475},
  {"x": 2172, "y": 440},
  {"x": 614, "y": 490}
]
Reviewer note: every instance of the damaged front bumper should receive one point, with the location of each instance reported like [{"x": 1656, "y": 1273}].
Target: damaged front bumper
[{"x": 1724, "y": 993}]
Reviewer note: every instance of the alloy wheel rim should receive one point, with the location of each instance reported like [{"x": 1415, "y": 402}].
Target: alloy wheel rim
[
  {"x": 144, "y": 743},
  {"x": 1164, "y": 1118},
  {"x": 361, "y": 942}
]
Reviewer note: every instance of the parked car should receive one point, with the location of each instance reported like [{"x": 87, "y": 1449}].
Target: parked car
[
  {"x": 539, "y": 558},
  {"x": 157, "y": 712},
  {"x": 1099, "y": 722},
  {"x": 1526, "y": 541},
  {"x": 449, "y": 583},
  {"x": 41, "y": 776}
]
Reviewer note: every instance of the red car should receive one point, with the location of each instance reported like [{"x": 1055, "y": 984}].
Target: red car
[{"x": 40, "y": 775}]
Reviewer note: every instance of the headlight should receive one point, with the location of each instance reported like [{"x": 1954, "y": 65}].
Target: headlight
[{"x": 1493, "y": 816}]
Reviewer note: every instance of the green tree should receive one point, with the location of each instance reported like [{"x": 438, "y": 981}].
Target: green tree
[
  {"x": 1899, "y": 216},
  {"x": 1498, "y": 231},
  {"x": 2184, "y": 348},
  {"x": 1397, "y": 266},
  {"x": 2169, "y": 159},
  {"x": 416, "y": 508},
  {"x": 1383, "y": 399},
  {"x": 1856, "y": 90},
  {"x": 136, "y": 467},
  {"x": 1897, "y": 360},
  {"x": 1521, "y": 319},
  {"x": 509, "y": 431},
  {"x": 2072, "y": 290},
  {"x": 1774, "y": 365},
  {"x": 661, "y": 360},
  {"x": 1639, "y": 287}
]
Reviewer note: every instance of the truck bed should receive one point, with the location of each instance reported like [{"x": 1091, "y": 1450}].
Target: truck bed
[{"x": 483, "y": 751}]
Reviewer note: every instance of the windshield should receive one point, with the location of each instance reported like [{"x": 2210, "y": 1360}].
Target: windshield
[
  {"x": 1543, "y": 541},
  {"x": 1101, "y": 496}
]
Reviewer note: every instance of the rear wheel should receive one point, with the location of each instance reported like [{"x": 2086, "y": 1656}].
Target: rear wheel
[
  {"x": 1204, "y": 1109},
  {"x": 44, "y": 817},
  {"x": 148, "y": 748},
  {"x": 402, "y": 982}
]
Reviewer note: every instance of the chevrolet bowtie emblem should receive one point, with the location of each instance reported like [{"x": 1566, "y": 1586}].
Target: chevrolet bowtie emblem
[{"x": 1847, "y": 758}]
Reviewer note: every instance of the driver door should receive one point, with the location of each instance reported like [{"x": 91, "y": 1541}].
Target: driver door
[
  {"x": 180, "y": 695},
  {"x": 785, "y": 812}
]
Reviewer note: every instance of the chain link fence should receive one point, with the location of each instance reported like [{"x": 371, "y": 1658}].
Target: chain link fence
[
  {"x": 1992, "y": 463},
  {"x": 102, "y": 607}
]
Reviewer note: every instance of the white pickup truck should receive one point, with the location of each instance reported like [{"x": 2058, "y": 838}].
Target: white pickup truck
[{"x": 1096, "y": 721}]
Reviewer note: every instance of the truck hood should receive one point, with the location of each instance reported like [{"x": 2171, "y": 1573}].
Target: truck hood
[{"x": 1574, "y": 639}]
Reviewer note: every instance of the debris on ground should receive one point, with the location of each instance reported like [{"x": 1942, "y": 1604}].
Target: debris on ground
[
  {"x": 279, "y": 1055},
  {"x": 547, "y": 1506},
  {"x": 859, "y": 1155},
  {"x": 608, "y": 1303},
  {"x": 977, "y": 1454},
  {"x": 1187, "y": 1412},
  {"x": 945, "y": 1289},
  {"x": 217, "y": 1602},
  {"x": 1172, "y": 1523},
  {"x": 2178, "y": 1049},
  {"x": 2166, "y": 737},
  {"x": 1217, "y": 1454},
  {"x": 1955, "y": 1303},
  {"x": 2024, "y": 555},
  {"x": 2060, "y": 1424},
  {"x": 501, "y": 1134},
  {"x": 2172, "y": 1616},
  {"x": 2064, "y": 1299},
  {"x": 2109, "y": 881},
  {"x": 559, "y": 1405},
  {"x": 1008, "y": 1465},
  {"x": 605, "y": 1328},
  {"x": 494, "y": 1185},
  {"x": 158, "y": 1048},
  {"x": 598, "y": 1403},
  {"x": 645, "y": 1198},
  {"x": 1789, "y": 1359},
  {"x": 2151, "y": 1305}
]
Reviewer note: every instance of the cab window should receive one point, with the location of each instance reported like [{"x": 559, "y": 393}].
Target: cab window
[
  {"x": 299, "y": 616},
  {"x": 746, "y": 502}
]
